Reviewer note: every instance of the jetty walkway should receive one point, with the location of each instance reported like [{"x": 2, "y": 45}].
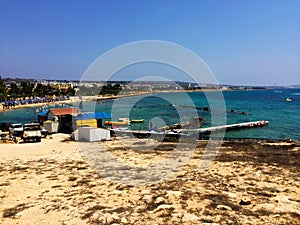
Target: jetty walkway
[
  {"x": 236, "y": 126},
  {"x": 188, "y": 132}
]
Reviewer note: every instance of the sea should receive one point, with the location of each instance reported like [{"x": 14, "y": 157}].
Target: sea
[{"x": 216, "y": 108}]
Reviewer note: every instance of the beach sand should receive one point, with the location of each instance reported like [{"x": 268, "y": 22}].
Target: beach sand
[
  {"x": 247, "y": 183},
  {"x": 72, "y": 100},
  {"x": 34, "y": 105}
]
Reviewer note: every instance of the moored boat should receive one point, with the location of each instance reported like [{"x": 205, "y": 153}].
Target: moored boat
[{"x": 288, "y": 99}]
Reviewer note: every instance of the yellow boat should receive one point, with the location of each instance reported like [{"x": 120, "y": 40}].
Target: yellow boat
[
  {"x": 137, "y": 121},
  {"x": 115, "y": 123}
]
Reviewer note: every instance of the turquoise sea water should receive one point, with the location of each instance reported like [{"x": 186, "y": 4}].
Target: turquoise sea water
[{"x": 169, "y": 108}]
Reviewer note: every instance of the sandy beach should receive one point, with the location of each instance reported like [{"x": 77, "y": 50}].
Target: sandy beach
[
  {"x": 34, "y": 105},
  {"x": 70, "y": 101},
  {"x": 247, "y": 183}
]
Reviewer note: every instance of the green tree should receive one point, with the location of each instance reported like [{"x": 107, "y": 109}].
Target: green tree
[
  {"x": 110, "y": 89},
  {"x": 47, "y": 89},
  {"x": 71, "y": 91},
  {"x": 3, "y": 93},
  {"x": 39, "y": 90},
  {"x": 26, "y": 89},
  {"x": 13, "y": 91}
]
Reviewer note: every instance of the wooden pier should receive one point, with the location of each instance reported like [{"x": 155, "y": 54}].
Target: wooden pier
[
  {"x": 187, "y": 132},
  {"x": 236, "y": 126}
]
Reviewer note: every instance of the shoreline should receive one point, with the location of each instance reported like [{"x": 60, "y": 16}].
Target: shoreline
[
  {"x": 75, "y": 99},
  {"x": 34, "y": 105}
]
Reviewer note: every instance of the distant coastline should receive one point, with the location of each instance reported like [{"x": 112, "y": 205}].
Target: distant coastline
[{"x": 75, "y": 99}]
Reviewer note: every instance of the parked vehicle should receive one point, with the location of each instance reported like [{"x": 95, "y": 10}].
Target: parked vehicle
[
  {"x": 32, "y": 131},
  {"x": 15, "y": 130},
  {"x": 44, "y": 132}
]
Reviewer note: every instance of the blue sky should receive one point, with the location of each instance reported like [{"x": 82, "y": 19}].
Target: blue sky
[{"x": 243, "y": 42}]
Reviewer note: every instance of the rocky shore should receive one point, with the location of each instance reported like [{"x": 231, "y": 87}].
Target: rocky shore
[{"x": 246, "y": 183}]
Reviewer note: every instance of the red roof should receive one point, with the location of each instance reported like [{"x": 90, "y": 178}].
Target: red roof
[{"x": 65, "y": 111}]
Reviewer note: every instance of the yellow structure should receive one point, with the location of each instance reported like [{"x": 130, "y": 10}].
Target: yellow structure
[{"x": 86, "y": 123}]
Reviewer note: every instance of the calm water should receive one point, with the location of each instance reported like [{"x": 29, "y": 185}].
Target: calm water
[{"x": 169, "y": 108}]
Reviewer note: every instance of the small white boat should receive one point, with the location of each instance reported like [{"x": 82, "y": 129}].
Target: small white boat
[{"x": 288, "y": 99}]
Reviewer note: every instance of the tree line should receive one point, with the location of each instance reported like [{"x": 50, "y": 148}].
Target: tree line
[
  {"x": 105, "y": 90},
  {"x": 11, "y": 90},
  {"x": 30, "y": 89}
]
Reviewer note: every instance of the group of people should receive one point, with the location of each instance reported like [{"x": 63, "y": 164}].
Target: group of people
[{"x": 8, "y": 104}]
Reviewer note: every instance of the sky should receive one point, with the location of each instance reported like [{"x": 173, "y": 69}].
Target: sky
[{"x": 243, "y": 42}]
